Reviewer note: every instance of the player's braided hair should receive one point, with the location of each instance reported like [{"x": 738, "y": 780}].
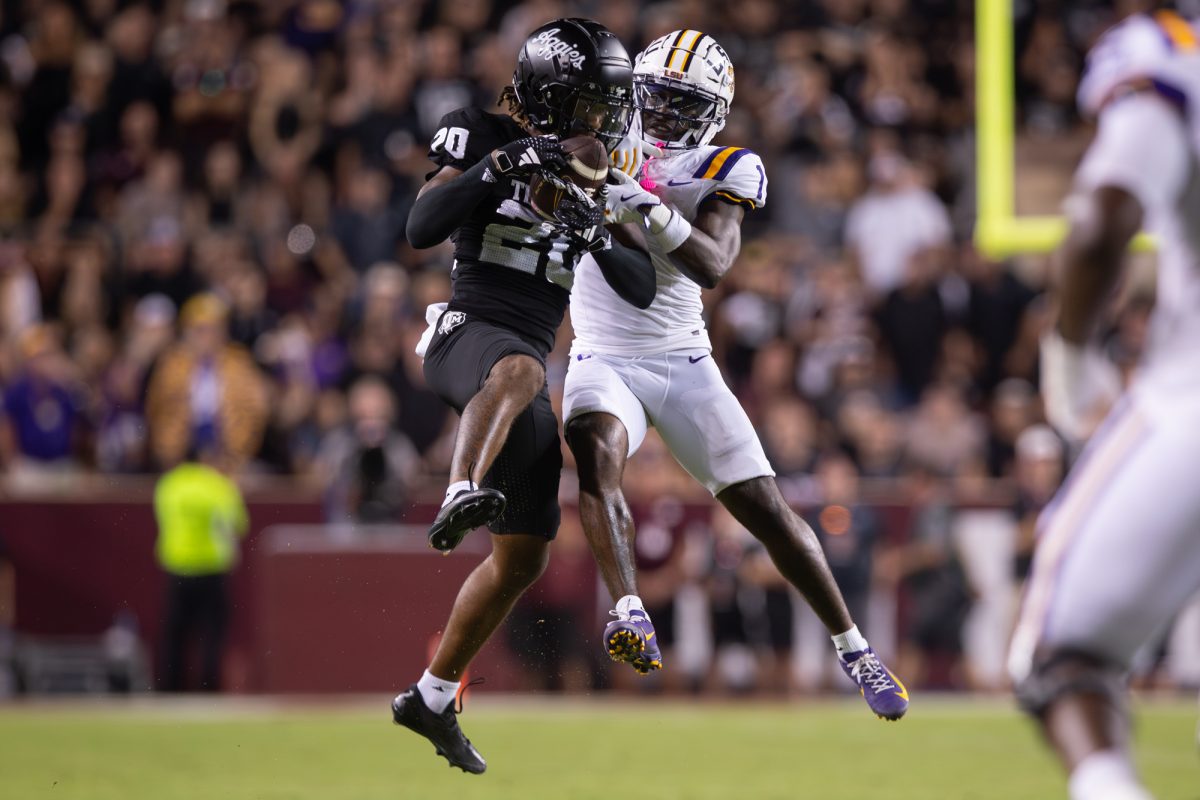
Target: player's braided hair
[{"x": 508, "y": 97}]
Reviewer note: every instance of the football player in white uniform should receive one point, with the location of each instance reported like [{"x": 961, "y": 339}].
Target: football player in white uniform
[
  {"x": 1119, "y": 548},
  {"x": 632, "y": 368}
]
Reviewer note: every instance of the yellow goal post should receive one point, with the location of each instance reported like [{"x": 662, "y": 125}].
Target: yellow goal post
[{"x": 999, "y": 232}]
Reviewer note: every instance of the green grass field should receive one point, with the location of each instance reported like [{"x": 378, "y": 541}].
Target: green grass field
[{"x": 561, "y": 750}]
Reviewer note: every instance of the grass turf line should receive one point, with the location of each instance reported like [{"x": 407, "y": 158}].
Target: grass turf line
[{"x": 833, "y": 751}]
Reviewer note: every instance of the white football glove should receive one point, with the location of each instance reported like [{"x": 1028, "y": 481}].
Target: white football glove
[
  {"x": 633, "y": 150},
  {"x": 629, "y": 202},
  {"x": 1079, "y": 385}
]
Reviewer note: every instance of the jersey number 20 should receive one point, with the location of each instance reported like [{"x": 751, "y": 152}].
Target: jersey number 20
[{"x": 452, "y": 140}]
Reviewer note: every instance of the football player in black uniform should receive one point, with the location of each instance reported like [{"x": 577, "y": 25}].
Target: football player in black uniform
[{"x": 485, "y": 351}]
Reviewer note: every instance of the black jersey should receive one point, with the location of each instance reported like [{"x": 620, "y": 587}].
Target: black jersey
[{"x": 511, "y": 267}]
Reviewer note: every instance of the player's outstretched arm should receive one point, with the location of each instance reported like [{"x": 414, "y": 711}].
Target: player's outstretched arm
[
  {"x": 443, "y": 202},
  {"x": 1118, "y": 180},
  {"x": 704, "y": 250},
  {"x": 452, "y": 194},
  {"x": 1103, "y": 223},
  {"x": 716, "y": 238},
  {"x": 630, "y": 273}
]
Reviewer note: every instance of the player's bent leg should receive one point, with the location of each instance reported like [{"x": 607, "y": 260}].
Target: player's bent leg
[
  {"x": 710, "y": 435},
  {"x": 486, "y": 598},
  {"x": 599, "y": 442},
  {"x": 600, "y": 445},
  {"x": 527, "y": 472},
  {"x": 758, "y": 505},
  {"x": 605, "y": 424},
  {"x": 1116, "y": 560},
  {"x": 1078, "y": 699},
  {"x": 509, "y": 389}
]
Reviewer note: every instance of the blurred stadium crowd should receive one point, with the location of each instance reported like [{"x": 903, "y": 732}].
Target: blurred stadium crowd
[{"x": 203, "y": 203}]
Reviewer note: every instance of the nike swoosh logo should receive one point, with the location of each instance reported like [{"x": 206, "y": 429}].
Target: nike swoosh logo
[
  {"x": 692, "y": 360},
  {"x": 626, "y": 198},
  {"x": 903, "y": 693},
  {"x": 679, "y": 183}
]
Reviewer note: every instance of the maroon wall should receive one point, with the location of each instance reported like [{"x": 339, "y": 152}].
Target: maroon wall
[
  {"x": 360, "y": 615},
  {"x": 343, "y": 617},
  {"x": 80, "y": 563},
  {"x": 334, "y": 616}
]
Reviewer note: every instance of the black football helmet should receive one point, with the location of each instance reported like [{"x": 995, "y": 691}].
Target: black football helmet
[{"x": 573, "y": 76}]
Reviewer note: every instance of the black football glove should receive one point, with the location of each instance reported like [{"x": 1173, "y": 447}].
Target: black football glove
[
  {"x": 527, "y": 156},
  {"x": 583, "y": 219}
]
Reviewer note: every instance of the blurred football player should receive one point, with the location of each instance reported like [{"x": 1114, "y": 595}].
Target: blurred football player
[
  {"x": 632, "y": 368},
  {"x": 1118, "y": 552},
  {"x": 485, "y": 351}
]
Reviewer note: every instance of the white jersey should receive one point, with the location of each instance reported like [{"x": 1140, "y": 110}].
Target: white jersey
[
  {"x": 1117, "y": 554},
  {"x": 1152, "y": 149},
  {"x": 603, "y": 322}
]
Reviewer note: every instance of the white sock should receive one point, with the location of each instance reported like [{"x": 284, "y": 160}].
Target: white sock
[
  {"x": 1106, "y": 775},
  {"x": 850, "y": 642},
  {"x": 436, "y": 692},
  {"x": 630, "y": 602},
  {"x": 455, "y": 489}
]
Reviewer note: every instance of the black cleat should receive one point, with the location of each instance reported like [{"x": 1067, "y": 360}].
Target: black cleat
[
  {"x": 409, "y": 710},
  {"x": 466, "y": 512}
]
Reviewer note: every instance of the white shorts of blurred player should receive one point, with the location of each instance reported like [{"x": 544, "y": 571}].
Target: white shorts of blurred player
[
  {"x": 683, "y": 395},
  {"x": 1118, "y": 555}
]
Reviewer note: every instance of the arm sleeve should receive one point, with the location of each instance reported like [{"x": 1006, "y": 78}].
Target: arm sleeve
[
  {"x": 1142, "y": 147},
  {"x": 464, "y": 137},
  {"x": 630, "y": 273},
  {"x": 438, "y": 211}
]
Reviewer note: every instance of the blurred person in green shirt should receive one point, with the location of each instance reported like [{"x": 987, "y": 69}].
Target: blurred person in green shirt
[{"x": 201, "y": 515}]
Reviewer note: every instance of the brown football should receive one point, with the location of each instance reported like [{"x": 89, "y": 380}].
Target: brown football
[{"x": 587, "y": 168}]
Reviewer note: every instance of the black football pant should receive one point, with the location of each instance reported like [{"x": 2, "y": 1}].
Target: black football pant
[
  {"x": 197, "y": 609},
  {"x": 457, "y": 364}
]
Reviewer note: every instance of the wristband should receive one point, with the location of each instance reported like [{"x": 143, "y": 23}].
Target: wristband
[{"x": 667, "y": 227}]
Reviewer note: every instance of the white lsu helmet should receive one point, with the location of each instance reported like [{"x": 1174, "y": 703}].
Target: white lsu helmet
[{"x": 683, "y": 87}]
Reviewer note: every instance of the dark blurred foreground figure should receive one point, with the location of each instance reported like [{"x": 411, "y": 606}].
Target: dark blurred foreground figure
[
  {"x": 1118, "y": 554},
  {"x": 201, "y": 515}
]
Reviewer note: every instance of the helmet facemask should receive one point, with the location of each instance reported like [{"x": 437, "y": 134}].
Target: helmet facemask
[
  {"x": 677, "y": 116},
  {"x": 683, "y": 87},
  {"x": 601, "y": 113}
]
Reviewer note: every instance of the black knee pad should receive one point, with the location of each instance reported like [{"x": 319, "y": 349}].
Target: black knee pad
[{"x": 1069, "y": 672}]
